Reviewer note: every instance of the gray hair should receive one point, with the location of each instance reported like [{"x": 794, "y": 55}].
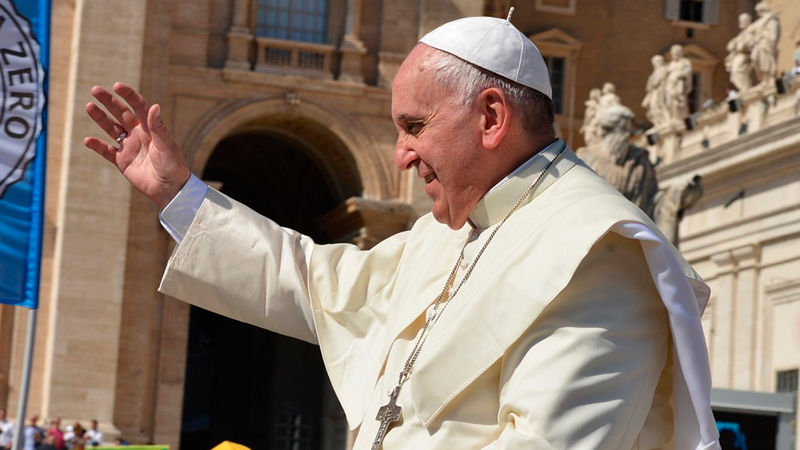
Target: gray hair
[{"x": 467, "y": 81}]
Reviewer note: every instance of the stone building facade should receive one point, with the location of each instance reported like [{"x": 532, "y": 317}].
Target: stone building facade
[{"x": 294, "y": 121}]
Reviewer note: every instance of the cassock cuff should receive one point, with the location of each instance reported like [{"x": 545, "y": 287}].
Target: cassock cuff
[{"x": 179, "y": 214}]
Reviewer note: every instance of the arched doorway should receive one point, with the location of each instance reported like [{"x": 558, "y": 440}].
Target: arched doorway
[{"x": 245, "y": 384}]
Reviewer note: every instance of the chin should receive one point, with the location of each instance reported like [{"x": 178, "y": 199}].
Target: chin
[{"x": 446, "y": 219}]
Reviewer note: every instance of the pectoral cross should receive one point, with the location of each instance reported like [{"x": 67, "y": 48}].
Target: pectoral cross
[{"x": 387, "y": 415}]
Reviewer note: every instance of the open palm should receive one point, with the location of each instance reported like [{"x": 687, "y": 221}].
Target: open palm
[{"x": 148, "y": 156}]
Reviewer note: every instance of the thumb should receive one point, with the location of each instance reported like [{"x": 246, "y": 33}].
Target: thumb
[{"x": 158, "y": 129}]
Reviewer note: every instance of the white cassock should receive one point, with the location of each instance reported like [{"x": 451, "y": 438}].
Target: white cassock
[{"x": 578, "y": 329}]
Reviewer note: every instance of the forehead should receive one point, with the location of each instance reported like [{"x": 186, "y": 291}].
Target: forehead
[{"x": 414, "y": 86}]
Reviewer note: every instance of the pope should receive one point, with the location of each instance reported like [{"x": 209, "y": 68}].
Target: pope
[{"x": 533, "y": 308}]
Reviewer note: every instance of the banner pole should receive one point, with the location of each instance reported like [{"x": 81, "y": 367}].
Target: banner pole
[{"x": 26, "y": 380}]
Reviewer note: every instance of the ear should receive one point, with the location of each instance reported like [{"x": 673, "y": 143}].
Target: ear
[{"x": 495, "y": 117}]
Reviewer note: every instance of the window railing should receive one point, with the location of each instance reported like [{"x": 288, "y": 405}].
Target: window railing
[{"x": 308, "y": 59}]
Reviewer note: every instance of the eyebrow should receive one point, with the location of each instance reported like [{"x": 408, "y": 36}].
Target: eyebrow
[{"x": 405, "y": 117}]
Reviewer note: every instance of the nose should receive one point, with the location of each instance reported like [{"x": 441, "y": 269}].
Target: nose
[{"x": 404, "y": 156}]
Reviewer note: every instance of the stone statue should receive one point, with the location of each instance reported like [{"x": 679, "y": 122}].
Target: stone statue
[
  {"x": 655, "y": 99},
  {"x": 629, "y": 169},
  {"x": 598, "y": 102},
  {"x": 609, "y": 97},
  {"x": 738, "y": 62},
  {"x": 589, "y": 129},
  {"x": 673, "y": 202},
  {"x": 679, "y": 84},
  {"x": 766, "y": 31},
  {"x": 625, "y": 166}
]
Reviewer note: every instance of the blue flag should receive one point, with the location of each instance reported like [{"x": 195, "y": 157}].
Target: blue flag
[{"x": 24, "y": 50}]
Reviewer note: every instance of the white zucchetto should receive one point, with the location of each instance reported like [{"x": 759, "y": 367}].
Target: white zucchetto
[{"x": 495, "y": 45}]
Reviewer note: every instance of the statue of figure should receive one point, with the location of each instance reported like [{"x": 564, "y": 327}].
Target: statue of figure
[
  {"x": 625, "y": 166},
  {"x": 673, "y": 202},
  {"x": 598, "y": 102},
  {"x": 655, "y": 99},
  {"x": 679, "y": 84},
  {"x": 589, "y": 129},
  {"x": 738, "y": 62},
  {"x": 628, "y": 168},
  {"x": 609, "y": 97},
  {"x": 766, "y": 31}
]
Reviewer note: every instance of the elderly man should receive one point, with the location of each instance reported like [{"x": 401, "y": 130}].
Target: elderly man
[{"x": 534, "y": 308}]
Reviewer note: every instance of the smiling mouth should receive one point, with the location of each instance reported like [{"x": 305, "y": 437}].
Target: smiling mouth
[{"x": 430, "y": 177}]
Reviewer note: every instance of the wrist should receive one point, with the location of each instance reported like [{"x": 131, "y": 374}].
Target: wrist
[{"x": 173, "y": 189}]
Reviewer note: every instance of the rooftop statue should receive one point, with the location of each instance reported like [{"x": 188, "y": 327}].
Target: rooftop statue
[
  {"x": 766, "y": 31},
  {"x": 590, "y": 129},
  {"x": 678, "y": 84},
  {"x": 655, "y": 101},
  {"x": 629, "y": 169},
  {"x": 599, "y": 100},
  {"x": 626, "y": 166},
  {"x": 609, "y": 97},
  {"x": 738, "y": 62}
]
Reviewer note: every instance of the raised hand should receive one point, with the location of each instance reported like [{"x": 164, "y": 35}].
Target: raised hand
[{"x": 148, "y": 156}]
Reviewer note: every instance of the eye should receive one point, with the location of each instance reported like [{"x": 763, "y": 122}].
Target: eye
[{"x": 414, "y": 128}]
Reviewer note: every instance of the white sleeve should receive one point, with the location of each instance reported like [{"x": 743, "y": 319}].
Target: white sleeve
[
  {"x": 178, "y": 215},
  {"x": 237, "y": 263}
]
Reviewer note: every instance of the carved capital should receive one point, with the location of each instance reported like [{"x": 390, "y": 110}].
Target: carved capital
[
  {"x": 365, "y": 222},
  {"x": 747, "y": 256},
  {"x": 744, "y": 257},
  {"x": 723, "y": 258}
]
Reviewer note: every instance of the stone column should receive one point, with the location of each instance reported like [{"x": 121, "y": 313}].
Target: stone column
[
  {"x": 240, "y": 37},
  {"x": 721, "y": 345},
  {"x": 746, "y": 316},
  {"x": 352, "y": 49}
]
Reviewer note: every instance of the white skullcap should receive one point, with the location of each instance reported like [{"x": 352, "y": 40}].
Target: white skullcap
[{"x": 495, "y": 45}]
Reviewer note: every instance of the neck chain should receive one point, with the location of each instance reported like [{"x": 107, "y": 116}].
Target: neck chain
[{"x": 390, "y": 412}]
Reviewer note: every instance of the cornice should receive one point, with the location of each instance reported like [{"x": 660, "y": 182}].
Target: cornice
[
  {"x": 288, "y": 81},
  {"x": 728, "y": 156}
]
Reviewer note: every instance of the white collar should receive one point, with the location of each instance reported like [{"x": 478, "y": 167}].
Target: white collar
[{"x": 494, "y": 206}]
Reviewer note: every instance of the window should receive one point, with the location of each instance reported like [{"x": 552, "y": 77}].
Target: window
[
  {"x": 691, "y": 10},
  {"x": 692, "y": 13},
  {"x": 294, "y": 20},
  {"x": 560, "y": 52},
  {"x": 555, "y": 66},
  {"x": 787, "y": 381}
]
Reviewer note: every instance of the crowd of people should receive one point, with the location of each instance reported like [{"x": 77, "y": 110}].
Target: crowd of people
[{"x": 72, "y": 437}]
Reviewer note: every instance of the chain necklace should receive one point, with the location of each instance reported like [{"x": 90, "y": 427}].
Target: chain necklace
[{"x": 390, "y": 412}]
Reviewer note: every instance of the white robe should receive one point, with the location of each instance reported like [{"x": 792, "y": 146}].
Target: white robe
[{"x": 558, "y": 340}]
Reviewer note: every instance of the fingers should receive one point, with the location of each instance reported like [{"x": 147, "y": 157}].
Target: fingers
[
  {"x": 133, "y": 98},
  {"x": 112, "y": 129},
  {"x": 105, "y": 150},
  {"x": 117, "y": 109}
]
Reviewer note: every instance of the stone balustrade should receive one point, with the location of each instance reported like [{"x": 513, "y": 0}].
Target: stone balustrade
[
  {"x": 294, "y": 57},
  {"x": 751, "y": 111}
]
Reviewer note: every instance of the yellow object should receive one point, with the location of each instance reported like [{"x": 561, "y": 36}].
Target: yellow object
[{"x": 228, "y": 445}]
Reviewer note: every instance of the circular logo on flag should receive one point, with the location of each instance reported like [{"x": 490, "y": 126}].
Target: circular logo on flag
[{"x": 22, "y": 95}]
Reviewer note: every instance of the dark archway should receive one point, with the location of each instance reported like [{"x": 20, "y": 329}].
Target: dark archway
[{"x": 245, "y": 384}]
